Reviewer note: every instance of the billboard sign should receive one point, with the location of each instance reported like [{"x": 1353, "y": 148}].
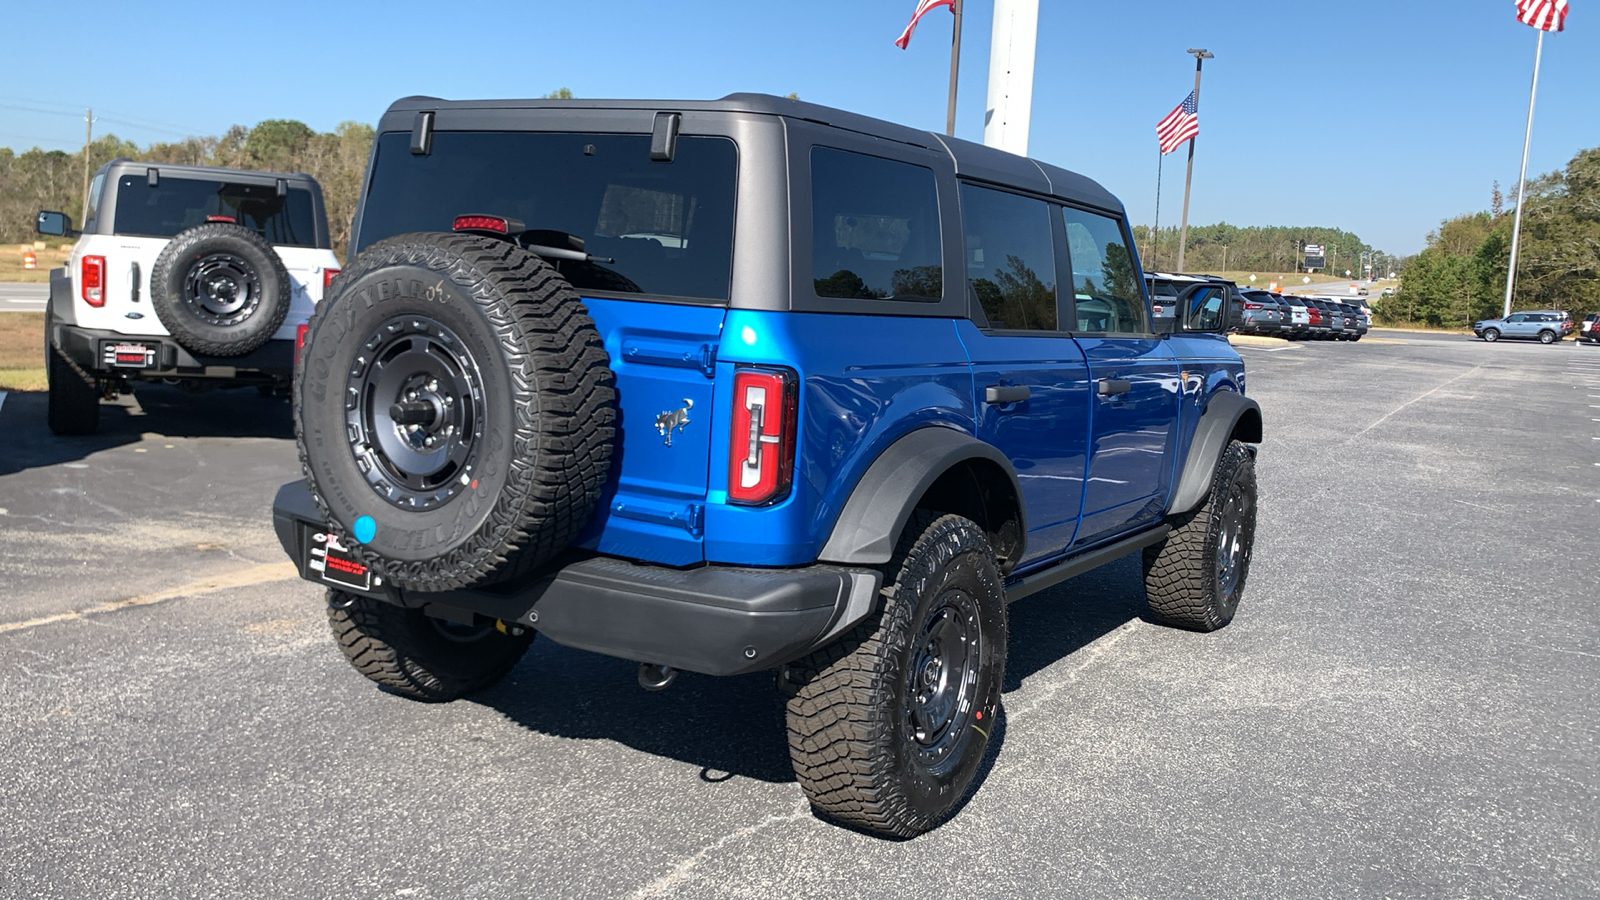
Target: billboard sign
[{"x": 1316, "y": 258}]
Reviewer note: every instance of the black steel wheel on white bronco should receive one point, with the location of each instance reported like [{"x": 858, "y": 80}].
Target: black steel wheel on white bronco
[
  {"x": 890, "y": 724},
  {"x": 220, "y": 289},
  {"x": 455, "y": 411},
  {"x": 1195, "y": 577}
]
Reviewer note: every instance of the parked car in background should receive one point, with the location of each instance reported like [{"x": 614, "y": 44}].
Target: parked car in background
[
  {"x": 1590, "y": 332},
  {"x": 1264, "y": 314},
  {"x": 1546, "y": 326},
  {"x": 1299, "y": 317},
  {"x": 1164, "y": 290}
]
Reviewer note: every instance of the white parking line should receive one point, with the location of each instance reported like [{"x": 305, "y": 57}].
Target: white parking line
[{"x": 2, "y": 399}]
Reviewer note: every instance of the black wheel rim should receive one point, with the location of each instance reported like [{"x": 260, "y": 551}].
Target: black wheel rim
[
  {"x": 414, "y": 411},
  {"x": 222, "y": 289},
  {"x": 1235, "y": 533},
  {"x": 942, "y": 677}
]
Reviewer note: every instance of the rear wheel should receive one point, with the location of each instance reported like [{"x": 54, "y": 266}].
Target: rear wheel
[
  {"x": 1547, "y": 337},
  {"x": 73, "y": 404},
  {"x": 1491, "y": 334},
  {"x": 1195, "y": 577},
  {"x": 889, "y": 725},
  {"x": 419, "y": 656}
]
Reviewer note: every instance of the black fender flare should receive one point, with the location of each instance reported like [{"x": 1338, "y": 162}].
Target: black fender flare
[
  {"x": 60, "y": 305},
  {"x": 1228, "y": 415},
  {"x": 869, "y": 525}
]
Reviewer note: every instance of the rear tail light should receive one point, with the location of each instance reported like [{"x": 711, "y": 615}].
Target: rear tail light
[
  {"x": 1252, "y": 306},
  {"x": 762, "y": 436},
  {"x": 92, "y": 280},
  {"x": 327, "y": 279},
  {"x": 230, "y": 220},
  {"x": 300, "y": 339}
]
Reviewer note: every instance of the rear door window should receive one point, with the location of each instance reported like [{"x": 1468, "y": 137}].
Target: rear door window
[
  {"x": 874, "y": 228},
  {"x": 1010, "y": 258},
  {"x": 1105, "y": 275},
  {"x": 657, "y": 228},
  {"x": 174, "y": 204}
]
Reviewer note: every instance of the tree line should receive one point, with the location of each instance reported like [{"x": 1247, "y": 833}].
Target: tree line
[
  {"x": 1276, "y": 249},
  {"x": 1461, "y": 276}
]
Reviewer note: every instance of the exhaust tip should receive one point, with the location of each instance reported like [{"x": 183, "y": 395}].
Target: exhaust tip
[{"x": 655, "y": 677}]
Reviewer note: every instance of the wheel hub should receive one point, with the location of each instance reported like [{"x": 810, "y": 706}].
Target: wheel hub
[
  {"x": 414, "y": 412},
  {"x": 222, "y": 289}
]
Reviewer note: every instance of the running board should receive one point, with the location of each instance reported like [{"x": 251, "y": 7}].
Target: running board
[{"x": 1077, "y": 565}]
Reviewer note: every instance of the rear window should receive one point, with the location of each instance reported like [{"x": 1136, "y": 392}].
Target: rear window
[
  {"x": 667, "y": 227},
  {"x": 178, "y": 204}
]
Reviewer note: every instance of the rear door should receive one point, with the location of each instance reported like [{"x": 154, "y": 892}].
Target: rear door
[
  {"x": 1135, "y": 388},
  {"x": 1031, "y": 380}
]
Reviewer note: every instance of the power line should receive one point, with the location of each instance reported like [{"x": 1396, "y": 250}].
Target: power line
[{"x": 124, "y": 119}]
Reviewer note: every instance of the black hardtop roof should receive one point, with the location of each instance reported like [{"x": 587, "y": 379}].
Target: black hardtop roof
[
  {"x": 972, "y": 160},
  {"x": 210, "y": 172}
]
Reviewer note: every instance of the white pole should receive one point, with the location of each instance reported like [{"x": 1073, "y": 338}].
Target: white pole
[
  {"x": 1011, "y": 51},
  {"x": 1522, "y": 180}
]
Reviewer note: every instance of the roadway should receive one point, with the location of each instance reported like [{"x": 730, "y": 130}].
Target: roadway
[
  {"x": 23, "y": 297},
  {"x": 1408, "y": 703}
]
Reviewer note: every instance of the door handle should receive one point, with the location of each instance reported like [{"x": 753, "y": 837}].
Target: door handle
[
  {"x": 1108, "y": 387},
  {"x": 1005, "y": 393}
]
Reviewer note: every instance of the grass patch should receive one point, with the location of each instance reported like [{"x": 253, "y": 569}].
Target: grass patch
[
  {"x": 22, "y": 379},
  {"x": 53, "y": 256},
  {"x": 21, "y": 344}
]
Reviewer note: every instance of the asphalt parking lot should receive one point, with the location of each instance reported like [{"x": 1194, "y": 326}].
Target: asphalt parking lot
[{"x": 1405, "y": 705}]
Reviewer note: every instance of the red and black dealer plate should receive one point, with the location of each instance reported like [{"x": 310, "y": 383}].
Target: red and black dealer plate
[
  {"x": 329, "y": 561},
  {"x": 129, "y": 355}
]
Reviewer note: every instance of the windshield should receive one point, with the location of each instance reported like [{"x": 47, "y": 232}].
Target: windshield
[
  {"x": 666, "y": 227},
  {"x": 178, "y": 204}
]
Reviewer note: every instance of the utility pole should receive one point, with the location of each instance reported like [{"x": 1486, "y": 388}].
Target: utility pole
[
  {"x": 1224, "y": 257},
  {"x": 1200, "y": 56},
  {"x": 88, "y": 137},
  {"x": 955, "y": 66}
]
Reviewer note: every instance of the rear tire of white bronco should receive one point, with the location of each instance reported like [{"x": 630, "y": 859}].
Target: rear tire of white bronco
[{"x": 73, "y": 404}]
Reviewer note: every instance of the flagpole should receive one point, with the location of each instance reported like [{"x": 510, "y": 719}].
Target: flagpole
[
  {"x": 955, "y": 66},
  {"x": 1200, "y": 56},
  {"x": 1522, "y": 180},
  {"x": 1155, "y": 233}
]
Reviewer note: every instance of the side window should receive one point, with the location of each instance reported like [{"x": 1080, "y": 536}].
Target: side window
[
  {"x": 1105, "y": 278},
  {"x": 874, "y": 228},
  {"x": 1517, "y": 317},
  {"x": 1010, "y": 258},
  {"x": 95, "y": 189}
]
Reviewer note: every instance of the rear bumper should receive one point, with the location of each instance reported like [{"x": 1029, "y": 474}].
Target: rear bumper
[
  {"x": 162, "y": 357},
  {"x": 717, "y": 620}
]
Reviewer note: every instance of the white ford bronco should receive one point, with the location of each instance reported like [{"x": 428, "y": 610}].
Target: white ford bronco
[{"x": 193, "y": 275}]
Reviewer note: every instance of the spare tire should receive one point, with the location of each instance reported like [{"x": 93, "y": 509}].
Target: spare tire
[
  {"x": 220, "y": 289},
  {"x": 455, "y": 410}
]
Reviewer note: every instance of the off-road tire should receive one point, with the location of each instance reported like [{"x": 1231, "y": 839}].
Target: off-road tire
[
  {"x": 421, "y": 657},
  {"x": 1491, "y": 335},
  {"x": 1187, "y": 579},
  {"x": 851, "y": 736},
  {"x": 191, "y": 323},
  {"x": 72, "y": 405},
  {"x": 546, "y": 425},
  {"x": 1547, "y": 337}
]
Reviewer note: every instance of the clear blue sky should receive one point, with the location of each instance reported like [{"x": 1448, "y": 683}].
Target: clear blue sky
[{"x": 1442, "y": 87}]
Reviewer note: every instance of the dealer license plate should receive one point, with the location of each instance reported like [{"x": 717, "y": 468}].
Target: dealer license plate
[
  {"x": 130, "y": 356},
  {"x": 330, "y": 562}
]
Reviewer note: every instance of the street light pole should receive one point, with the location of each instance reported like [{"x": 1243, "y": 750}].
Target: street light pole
[{"x": 1200, "y": 56}]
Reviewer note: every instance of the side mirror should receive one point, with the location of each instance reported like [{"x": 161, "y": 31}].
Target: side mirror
[
  {"x": 1235, "y": 315},
  {"x": 57, "y": 224}
]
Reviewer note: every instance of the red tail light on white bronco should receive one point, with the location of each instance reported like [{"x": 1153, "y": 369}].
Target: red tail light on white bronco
[
  {"x": 762, "y": 436},
  {"x": 92, "y": 280}
]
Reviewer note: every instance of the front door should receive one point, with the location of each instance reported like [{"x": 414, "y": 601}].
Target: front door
[{"x": 1134, "y": 382}]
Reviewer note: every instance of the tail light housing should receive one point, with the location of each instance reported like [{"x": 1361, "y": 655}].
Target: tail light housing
[
  {"x": 1253, "y": 306},
  {"x": 327, "y": 279},
  {"x": 762, "y": 436},
  {"x": 300, "y": 339},
  {"x": 92, "y": 280}
]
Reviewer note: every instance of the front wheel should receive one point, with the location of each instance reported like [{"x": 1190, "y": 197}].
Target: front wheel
[
  {"x": 1194, "y": 578},
  {"x": 419, "y": 656},
  {"x": 1491, "y": 335},
  {"x": 889, "y": 725}
]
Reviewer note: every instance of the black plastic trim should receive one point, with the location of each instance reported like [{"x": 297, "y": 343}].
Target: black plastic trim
[
  {"x": 869, "y": 526},
  {"x": 1224, "y": 411},
  {"x": 1073, "y": 566},
  {"x": 273, "y": 360}
]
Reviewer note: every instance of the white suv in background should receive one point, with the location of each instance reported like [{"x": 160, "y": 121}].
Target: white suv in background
[{"x": 185, "y": 274}]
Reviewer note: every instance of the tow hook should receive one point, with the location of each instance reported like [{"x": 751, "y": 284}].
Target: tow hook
[{"x": 656, "y": 677}]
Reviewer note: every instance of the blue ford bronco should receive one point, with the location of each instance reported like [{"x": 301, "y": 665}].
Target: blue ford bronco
[{"x": 753, "y": 384}]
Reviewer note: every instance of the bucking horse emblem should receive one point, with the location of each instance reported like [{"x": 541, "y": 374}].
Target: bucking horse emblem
[{"x": 674, "y": 420}]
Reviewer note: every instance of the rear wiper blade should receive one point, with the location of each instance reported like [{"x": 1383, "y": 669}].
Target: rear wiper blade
[{"x": 564, "y": 253}]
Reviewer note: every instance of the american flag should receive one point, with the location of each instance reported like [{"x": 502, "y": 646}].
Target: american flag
[
  {"x": 923, "y": 8},
  {"x": 1180, "y": 125},
  {"x": 1545, "y": 15}
]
